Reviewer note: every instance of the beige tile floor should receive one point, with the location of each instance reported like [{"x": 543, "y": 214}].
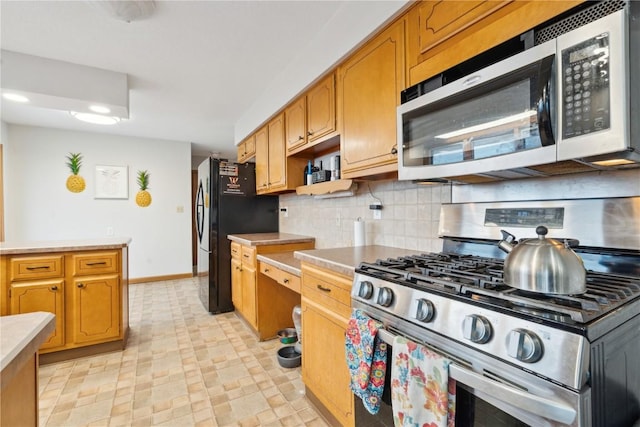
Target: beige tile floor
[{"x": 181, "y": 367}]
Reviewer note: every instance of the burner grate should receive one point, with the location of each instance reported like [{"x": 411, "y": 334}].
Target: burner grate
[{"x": 481, "y": 279}]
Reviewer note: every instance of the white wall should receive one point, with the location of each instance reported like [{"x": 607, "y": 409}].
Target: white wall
[
  {"x": 39, "y": 207},
  {"x": 340, "y": 36}
]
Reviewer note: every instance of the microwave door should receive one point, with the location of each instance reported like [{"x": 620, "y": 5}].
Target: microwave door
[{"x": 501, "y": 117}]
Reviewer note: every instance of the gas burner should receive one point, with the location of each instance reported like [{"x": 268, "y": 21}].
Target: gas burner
[{"x": 481, "y": 279}]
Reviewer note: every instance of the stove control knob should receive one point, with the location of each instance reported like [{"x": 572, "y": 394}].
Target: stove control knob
[
  {"x": 385, "y": 297},
  {"x": 476, "y": 329},
  {"x": 366, "y": 289},
  {"x": 425, "y": 310},
  {"x": 524, "y": 345}
]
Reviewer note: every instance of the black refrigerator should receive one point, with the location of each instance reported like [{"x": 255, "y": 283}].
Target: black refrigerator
[{"x": 226, "y": 203}]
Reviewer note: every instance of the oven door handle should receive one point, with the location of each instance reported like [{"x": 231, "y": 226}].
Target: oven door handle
[{"x": 553, "y": 410}]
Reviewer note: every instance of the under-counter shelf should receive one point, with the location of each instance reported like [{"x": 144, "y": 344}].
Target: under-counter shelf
[{"x": 328, "y": 187}]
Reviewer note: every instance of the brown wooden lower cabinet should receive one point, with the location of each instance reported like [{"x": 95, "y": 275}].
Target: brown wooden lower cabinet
[
  {"x": 86, "y": 290},
  {"x": 265, "y": 304},
  {"x": 326, "y": 308}
]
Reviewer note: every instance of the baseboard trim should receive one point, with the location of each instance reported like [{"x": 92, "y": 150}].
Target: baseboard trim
[
  {"x": 160, "y": 278},
  {"x": 74, "y": 353}
]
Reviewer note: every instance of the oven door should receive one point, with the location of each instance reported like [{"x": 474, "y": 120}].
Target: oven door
[
  {"x": 501, "y": 117},
  {"x": 492, "y": 393}
]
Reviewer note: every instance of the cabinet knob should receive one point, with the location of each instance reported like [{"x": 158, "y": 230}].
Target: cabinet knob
[
  {"x": 300, "y": 138},
  {"x": 54, "y": 288},
  {"x": 266, "y": 270},
  {"x": 81, "y": 285},
  {"x": 286, "y": 280},
  {"x": 309, "y": 133},
  {"x": 394, "y": 150}
]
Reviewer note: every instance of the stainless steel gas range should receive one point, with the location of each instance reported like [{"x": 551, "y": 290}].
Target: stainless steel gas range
[{"x": 519, "y": 357}]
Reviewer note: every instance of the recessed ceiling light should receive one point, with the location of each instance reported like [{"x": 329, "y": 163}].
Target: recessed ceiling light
[
  {"x": 100, "y": 109},
  {"x": 95, "y": 119},
  {"x": 15, "y": 97}
]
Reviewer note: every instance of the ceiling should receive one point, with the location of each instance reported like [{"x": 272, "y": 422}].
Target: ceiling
[{"x": 204, "y": 72}]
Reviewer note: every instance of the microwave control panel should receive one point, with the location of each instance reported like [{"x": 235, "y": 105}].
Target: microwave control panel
[{"x": 585, "y": 87}]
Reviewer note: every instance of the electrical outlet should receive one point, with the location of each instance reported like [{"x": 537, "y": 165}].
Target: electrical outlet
[
  {"x": 180, "y": 209},
  {"x": 109, "y": 231},
  {"x": 377, "y": 210},
  {"x": 284, "y": 211}
]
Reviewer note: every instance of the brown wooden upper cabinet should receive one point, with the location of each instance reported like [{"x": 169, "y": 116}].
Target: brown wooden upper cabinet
[
  {"x": 369, "y": 85},
  {"x": 312, "y": 116},
  {"x": 247, "y": 149},
  {"x": 440, "y": 20},
  {"x": 442, "y": 34},
  {"x": 275, "y": 172}
]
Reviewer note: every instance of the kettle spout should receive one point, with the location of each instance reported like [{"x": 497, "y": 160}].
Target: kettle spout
[{"x": 508, "y": 241}]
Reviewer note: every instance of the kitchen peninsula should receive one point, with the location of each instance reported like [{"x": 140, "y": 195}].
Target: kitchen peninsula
[{"x": 84, "y": 283}]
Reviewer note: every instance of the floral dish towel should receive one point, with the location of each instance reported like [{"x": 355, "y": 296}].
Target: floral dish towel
[
  {"x": 422, "y": 394},
  {"x": 366, "y": 359}
]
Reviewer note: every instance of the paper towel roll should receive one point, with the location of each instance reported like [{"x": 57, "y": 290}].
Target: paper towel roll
[{"x": 359, "y": 235}]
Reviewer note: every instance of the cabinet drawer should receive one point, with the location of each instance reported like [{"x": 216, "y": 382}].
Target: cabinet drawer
[
  {"x": 284, "y": 278},
  {"x": 36, "y": 267},
  {"x": 236, "y": 249},
  {"x": 329, "y": 290},
  {"x": 249, "y": 255},
  {"x": 95, "y": 263}
]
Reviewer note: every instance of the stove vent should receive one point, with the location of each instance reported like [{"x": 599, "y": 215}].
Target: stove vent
[{"x": 577, "y": 20}]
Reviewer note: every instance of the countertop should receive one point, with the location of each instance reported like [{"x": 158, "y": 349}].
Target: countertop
[
  {"x": 283, "y": 260},
  {"x": 345, "y": 260},
  {"x": 12, "y": 248},
  {"x": 20, "y": 337},
  {"x": 258, "y": 239}
]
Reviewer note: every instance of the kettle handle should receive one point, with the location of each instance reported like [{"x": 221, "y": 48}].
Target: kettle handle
[
  {"x": 507, "y": 241},
  {"x": 508, "y": 237}
]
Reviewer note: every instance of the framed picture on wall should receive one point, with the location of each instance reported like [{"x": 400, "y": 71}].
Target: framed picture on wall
[{"x": 112, "y": 182}]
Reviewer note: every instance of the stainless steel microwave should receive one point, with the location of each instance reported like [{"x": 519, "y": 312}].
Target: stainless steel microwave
[{"x": 571, "y": 95}]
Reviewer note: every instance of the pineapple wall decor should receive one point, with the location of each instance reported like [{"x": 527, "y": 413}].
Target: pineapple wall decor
[
  {"x": 75, "y": 183},
  {"x": 143, "y": 198}
]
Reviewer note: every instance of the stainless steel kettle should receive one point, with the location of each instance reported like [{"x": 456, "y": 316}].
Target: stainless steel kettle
[{"x": 543, "y": 265}]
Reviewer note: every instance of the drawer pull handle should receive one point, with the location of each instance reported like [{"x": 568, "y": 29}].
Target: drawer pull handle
[
  {"x": 54, "y": 288},
  {"x": 91, "y": 264},
  {"x": 323, "y": 289},
  {"x": 39, "y": 267},
  {"x": 245, "y": 255},
  {"x": 287, "y": 281},
  {"x": 81, "y": 285},
  {"x": 266, "y": 270}
]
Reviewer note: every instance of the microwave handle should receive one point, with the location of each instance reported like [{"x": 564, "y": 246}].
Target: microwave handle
[{"x": 545, "y": 98}]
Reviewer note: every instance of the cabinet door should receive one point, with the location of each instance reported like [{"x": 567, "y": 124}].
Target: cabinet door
[
  {"x": 262, "y": 160},
  {"x": 277, "y": 154},
  {"x": 323, "y": 347},
  {"x": 440, "y": 20},
  {"x": 369, "y": 86},
  {"x": 95, "y": 310},
  {"x": 247, "y": 149},
  {"x": 236, "y": 284},
  {"x": 45, "y": 295},
  {"x": 249, "y": 294},
  {"x": 321, "y": 109},
  {"x": 295, "y": 122}
]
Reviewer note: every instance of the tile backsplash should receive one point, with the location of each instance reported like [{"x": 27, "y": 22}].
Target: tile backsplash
[{"x": 409, "y": 220}]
